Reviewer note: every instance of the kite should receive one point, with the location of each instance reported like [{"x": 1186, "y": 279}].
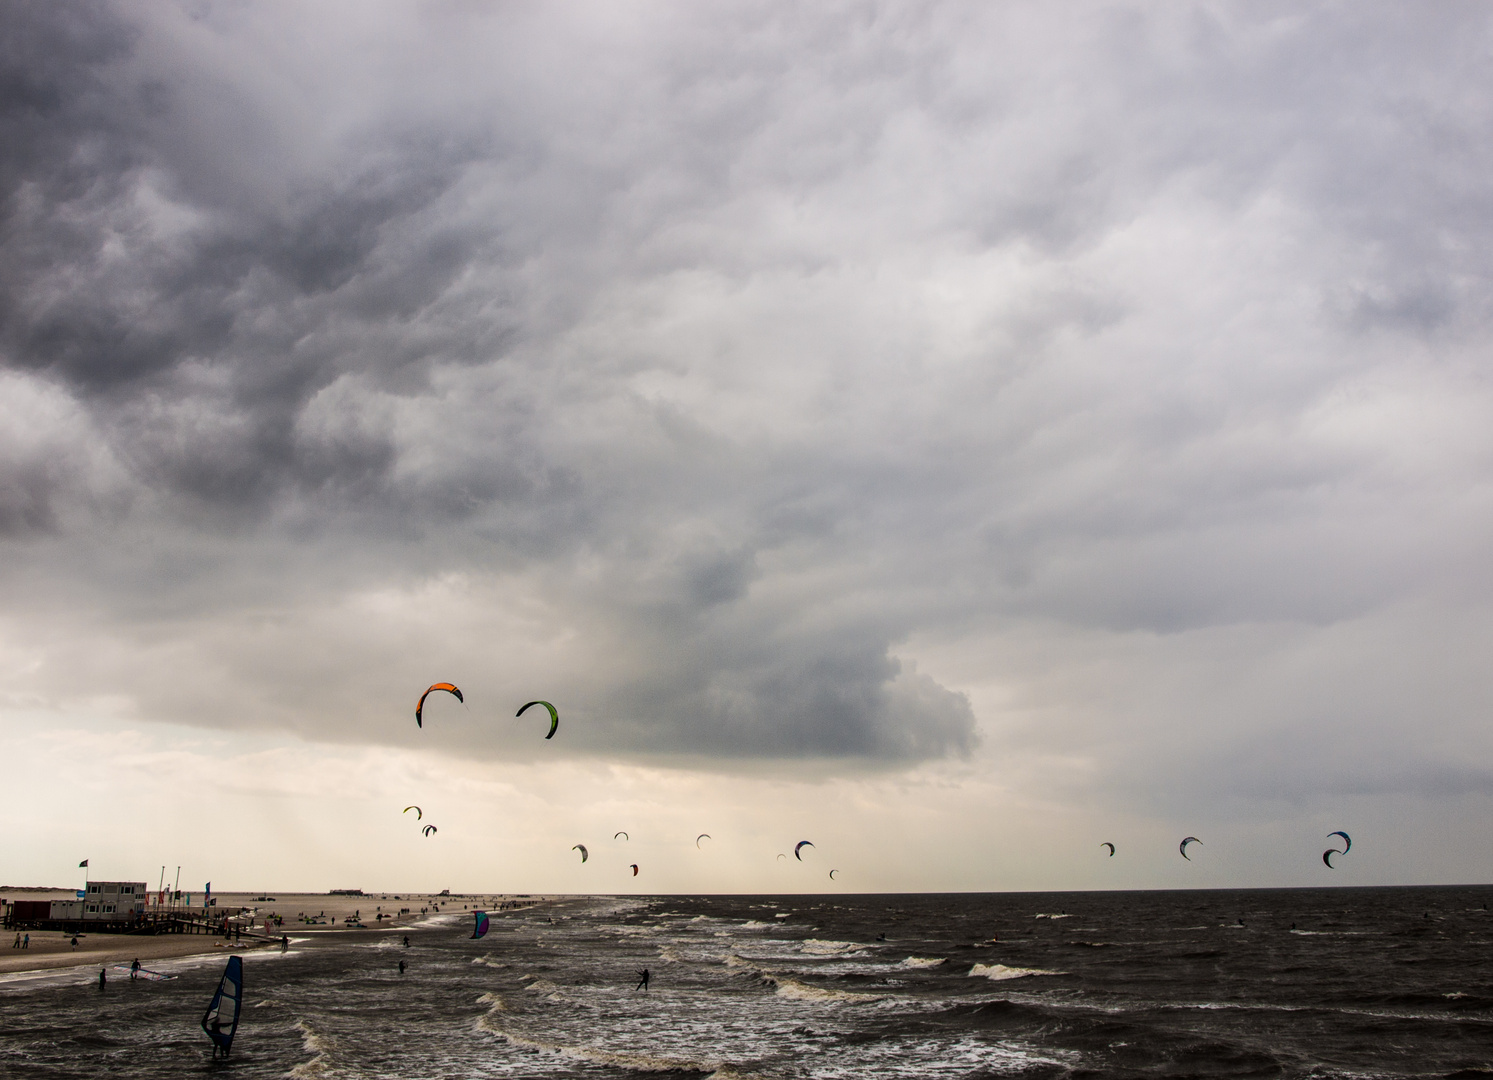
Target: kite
[
  {"x": 1182, "y": 847},
  {"x": 799, "y": 847},
  {"x": 781, "y": 855},
  {"x": 621, "y": 834},
  {"x": 582, "y": 849},
  {"x": 554, "y": 718},
  {"x": 1111, "y": 848},
  {"x": 1347, "y": 840},
  {"x": 1327, "y": 857},
  {"x": 418, "y": 812},
  {"x": 428, "y": 830},
  {"x": 703, "y": 836},
  {"x": 634, "y": 869},
  {"x": 480, "y": 927},
  {"x": 450, "y": 688},
  {"x": 832, "y": 874}
]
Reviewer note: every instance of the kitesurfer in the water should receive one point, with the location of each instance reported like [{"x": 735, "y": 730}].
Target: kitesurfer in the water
[
  {"x": 401, "y": 967},
  {"x": 642, "y": 980},
  {"x": 406, "y": 941},
  {"x": 102, "y": 977}
]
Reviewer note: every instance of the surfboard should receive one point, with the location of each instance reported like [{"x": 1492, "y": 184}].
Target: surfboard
[{"x": 143, "y": 973}]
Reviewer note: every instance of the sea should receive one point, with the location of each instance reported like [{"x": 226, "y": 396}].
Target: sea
[{"x": 1380, "y": 982}]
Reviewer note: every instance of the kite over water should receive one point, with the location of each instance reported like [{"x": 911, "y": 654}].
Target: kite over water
[
  {"x": 582, "y": 849},
  {"x": 418, "y": 812},
  {"x": 428, "y": 830},
  {"x": 554, "y": 716},
  {"x": 1182, "y": 847},
  {"x": 832, "y": 874},
  {"x": 1347, "y": 841},
  {"x": 634, "y": 869},
  {"x": 481, "y": 925},
  {"x": 621, "y": 834},
  {"x": 1111, "y": 848},
  {"x": 798, "y": 847},
  {"x": 1327, "y": 857},
  {"x": 450, "y": 688},
  {"x": 702, "y": 836}
]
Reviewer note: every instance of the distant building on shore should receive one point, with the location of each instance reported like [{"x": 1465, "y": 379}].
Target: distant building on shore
[{"x": 108, "y": 901}]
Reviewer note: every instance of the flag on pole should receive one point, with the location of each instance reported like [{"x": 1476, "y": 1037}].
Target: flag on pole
[{"x": 82, "y": 864}]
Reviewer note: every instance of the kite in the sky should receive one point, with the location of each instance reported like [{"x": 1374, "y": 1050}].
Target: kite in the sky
[
  {"x": 781, "y": 855},
  {"x": 428, "y": 830},
  {"x": 634, "y": 869},
  {"x": 1347, "y": 841},
  {"x": 450, "y": 688},
  {"x": 1327, "y": 857},
  {"x": 702, "y": 836},
  {"x": 1111, "y": 848},
  {"x": 582, "y": 849},
  {"x": 1182, "y": 847},
  {"x": 418, "y": 812},
  {"x": 832, "y": 874},
  {"x": 621, "y": 834},
  {"x": 798, "y": 847},
  {"x": 554, "y": 716}
]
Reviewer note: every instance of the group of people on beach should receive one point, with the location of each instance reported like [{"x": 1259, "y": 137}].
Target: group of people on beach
[{"x": 21, "y": 942}]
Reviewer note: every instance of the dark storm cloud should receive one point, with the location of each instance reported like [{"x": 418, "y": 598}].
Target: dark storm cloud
[{"x": 758, "y": 348}]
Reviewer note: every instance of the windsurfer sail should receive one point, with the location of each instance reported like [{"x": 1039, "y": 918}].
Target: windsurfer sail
[{"x": 221, "y": 1019}]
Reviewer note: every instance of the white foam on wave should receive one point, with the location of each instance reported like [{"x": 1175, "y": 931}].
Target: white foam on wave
[
  {"x": 794, "y": 990},
  {"x": 756, "y": 924},
  {"x": 922, "y": 962},
  {"x": 819, "y": 947},
  {"x": 494, "y": 999},
  {"x": 617, "y": 1059},
  {"x": 1000, "y": 972},
  {"x": 320, "y": 1048},
  {"x": 1052, "y": 915}
]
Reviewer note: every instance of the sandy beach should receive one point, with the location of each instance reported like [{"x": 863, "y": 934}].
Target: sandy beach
[{"x": 302, "y": 914}]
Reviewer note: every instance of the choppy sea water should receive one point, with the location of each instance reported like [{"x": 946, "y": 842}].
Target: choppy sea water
[{"x": 1369, "y": 983}]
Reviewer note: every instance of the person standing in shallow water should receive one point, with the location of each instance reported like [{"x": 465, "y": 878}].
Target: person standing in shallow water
[
  {"x": 642, "y": 980},
  {"x": 103, "y": 975}
]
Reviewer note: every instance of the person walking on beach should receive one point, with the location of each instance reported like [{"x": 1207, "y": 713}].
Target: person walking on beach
[
  {"x": 17, "y": 943},
  {"x": 134, "y": 969},
  {"x": 642, "y": 980},
  {"x": 75, "y": 942},
  {"x": 284, "y": 943},
  {"x": 26, "y": 944}
]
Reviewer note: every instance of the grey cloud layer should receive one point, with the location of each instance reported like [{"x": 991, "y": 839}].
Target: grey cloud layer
[{"x": 750, "y": 347}]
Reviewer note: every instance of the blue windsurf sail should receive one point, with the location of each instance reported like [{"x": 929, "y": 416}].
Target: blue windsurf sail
[
  {"x": 221, "y": 1019},
  {"x": 481, "y": 927}
]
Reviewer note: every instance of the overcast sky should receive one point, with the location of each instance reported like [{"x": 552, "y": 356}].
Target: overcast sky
[{"x": 964, "y": 433}]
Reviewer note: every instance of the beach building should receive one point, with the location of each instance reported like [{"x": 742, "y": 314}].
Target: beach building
[{"x": 110, "y": 901}]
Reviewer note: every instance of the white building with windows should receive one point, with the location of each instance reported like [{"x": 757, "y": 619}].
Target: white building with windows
[{"x": 108, "y": 901}]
